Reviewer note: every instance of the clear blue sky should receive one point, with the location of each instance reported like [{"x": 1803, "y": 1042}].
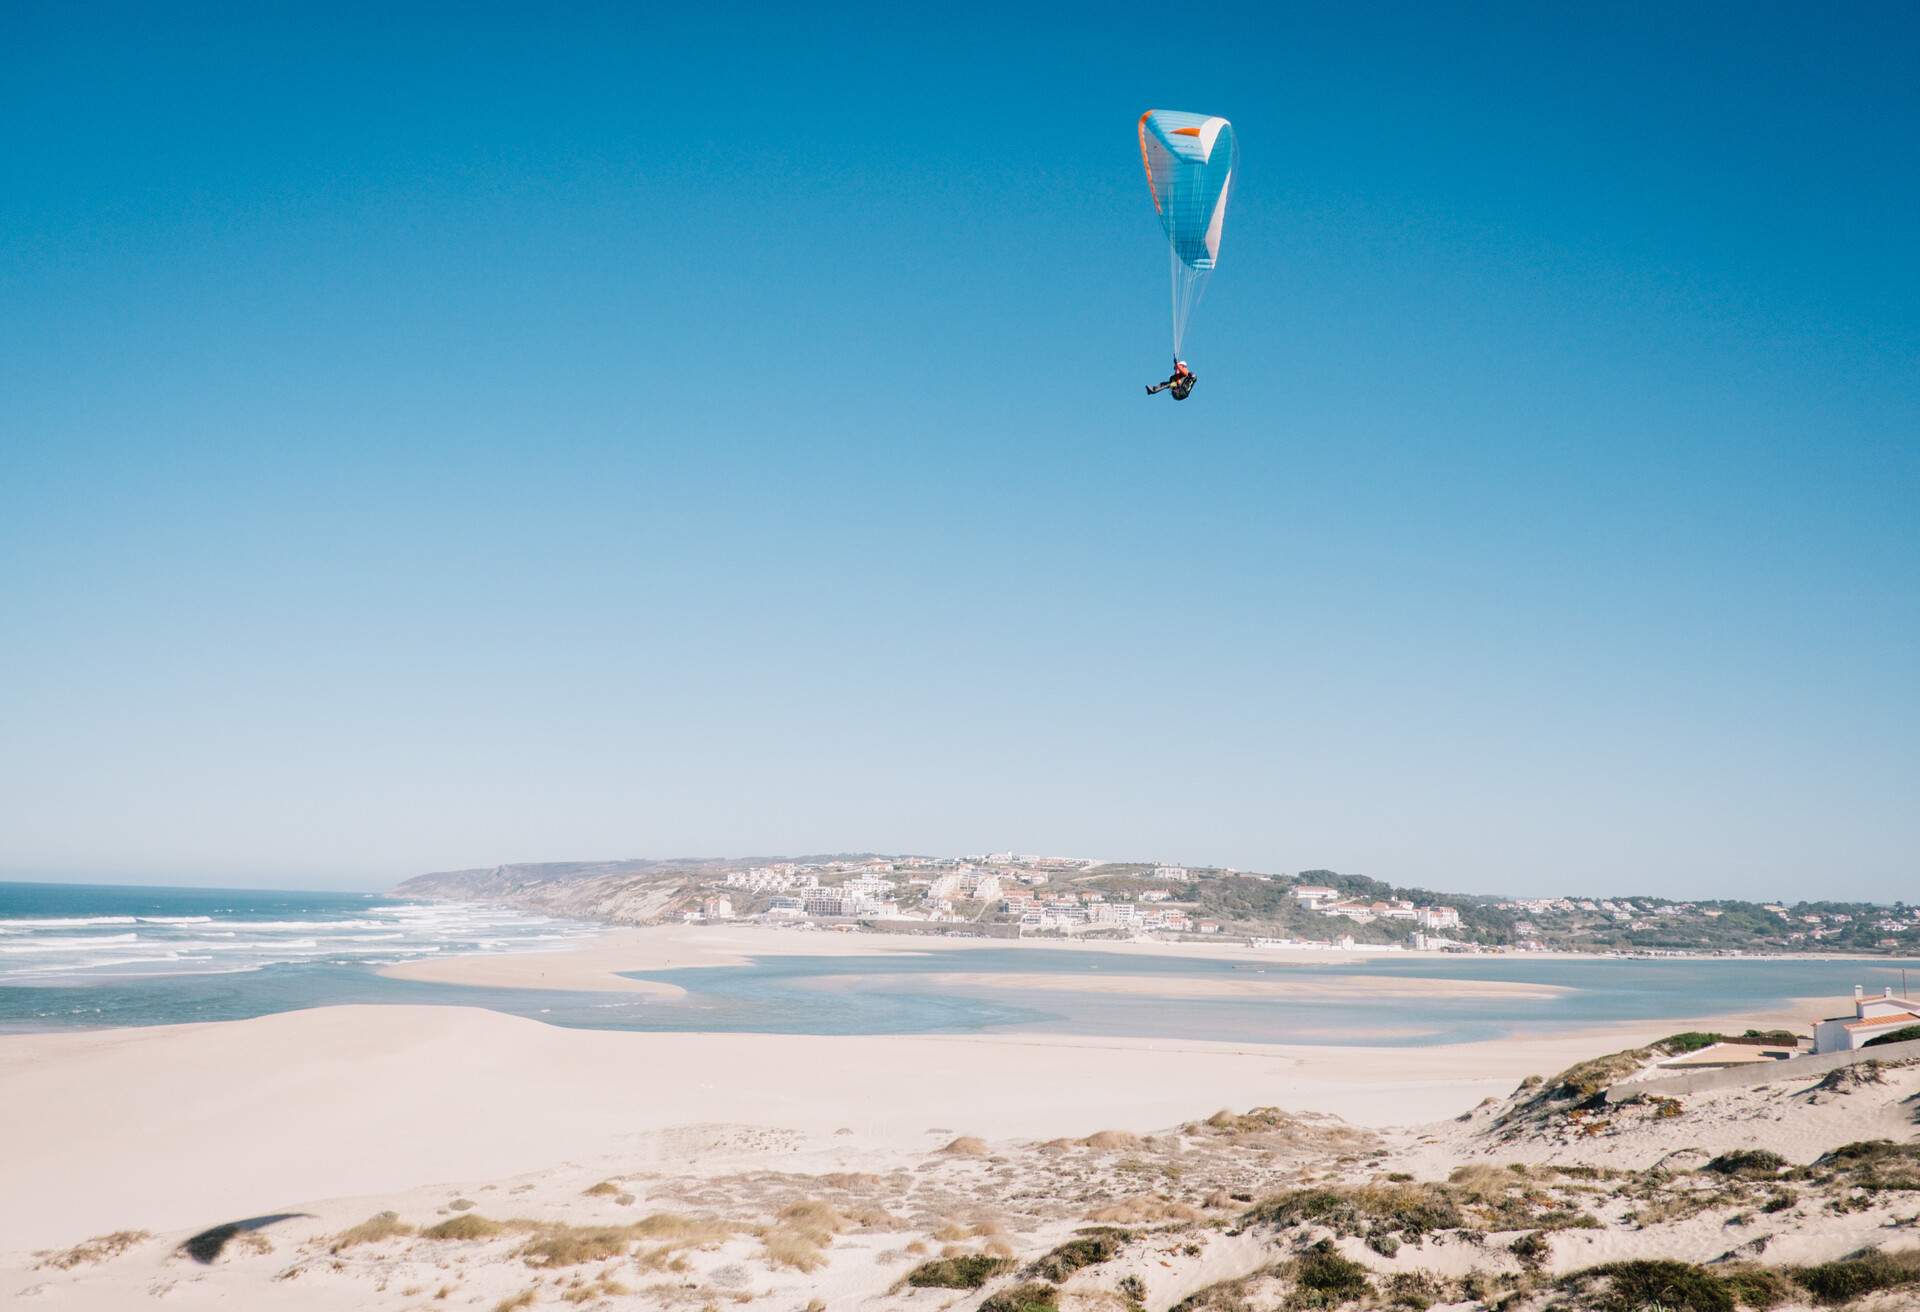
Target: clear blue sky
[{"x": 484, "y": 434}]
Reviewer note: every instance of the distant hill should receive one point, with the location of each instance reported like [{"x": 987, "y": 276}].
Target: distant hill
[
  {"x": 1239, "y": 903},
  {"x": 623, "y": 892}
]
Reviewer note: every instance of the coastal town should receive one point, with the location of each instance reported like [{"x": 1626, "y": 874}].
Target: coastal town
[{"x": 1015, "y": 895}]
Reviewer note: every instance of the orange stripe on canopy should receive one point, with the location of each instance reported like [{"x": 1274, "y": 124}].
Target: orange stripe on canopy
[
  {"x": 1146, "y": 163},
  {"x": 1186, "y": 132}
]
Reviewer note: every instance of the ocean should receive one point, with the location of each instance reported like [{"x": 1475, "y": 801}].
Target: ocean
[{"x": 82, "y": 957}]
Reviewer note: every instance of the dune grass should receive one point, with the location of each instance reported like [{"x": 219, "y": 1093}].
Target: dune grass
[
  {"x": 555, "y": 1243},
  {"x": 784, "y": 1248},
  {"x": 1142, "y": 1209},
  {"x": 800, "y": 1232},
  {"x": 1872, "y": 1164},
  {"x": 683, "y": 1229},
  {"x": 1227, "y": 1122},
  {"x": 468, "y": 1225},
  {"x": 97, "y": 1249},
  {"x": 375, "y": 1229},
  {"x": 605, "y": 1287}
]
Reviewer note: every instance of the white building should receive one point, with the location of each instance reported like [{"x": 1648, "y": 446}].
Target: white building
[
  {"x": 1313, "y": 894},
  {"x": 964, "y": 884},
  {"x": 1871, "y": 1018},
  {"x": 717, "y": 908},
  {"x": 823, "y": 902},
  {"x": 839, "y": 902},
  {"x": 770, "y": 879},
  {"x": 1437, "y": 918},
  {"x": 1178, "y": 874}
]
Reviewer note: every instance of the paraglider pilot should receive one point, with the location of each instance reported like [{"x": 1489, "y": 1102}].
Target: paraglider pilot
[{"x": 1181, "y": 382}]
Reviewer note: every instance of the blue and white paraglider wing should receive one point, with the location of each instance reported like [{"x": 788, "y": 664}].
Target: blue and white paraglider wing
[{"x": 1189, "y": 160}]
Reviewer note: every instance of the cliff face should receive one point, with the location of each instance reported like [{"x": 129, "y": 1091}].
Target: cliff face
[{"x": 621, "y": 892}]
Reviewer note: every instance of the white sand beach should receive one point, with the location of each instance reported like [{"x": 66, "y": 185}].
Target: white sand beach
[
  {"x": 170, "y": 1126},
  {"x": 143, "y": 1137}
]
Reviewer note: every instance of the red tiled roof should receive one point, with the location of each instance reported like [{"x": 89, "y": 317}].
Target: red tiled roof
[{"x": 1902, "y": 1018}]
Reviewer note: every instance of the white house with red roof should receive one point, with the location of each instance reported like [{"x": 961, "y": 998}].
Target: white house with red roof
[{"x": 1871, "y": 1018}]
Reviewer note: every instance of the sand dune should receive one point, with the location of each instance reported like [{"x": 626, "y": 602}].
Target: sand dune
[
  {"x": 677, "y": 1171},
  {"x": 173, "y": 1125}
]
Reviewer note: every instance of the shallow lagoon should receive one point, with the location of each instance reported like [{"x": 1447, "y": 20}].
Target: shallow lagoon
[{"x": 956, "y": 992}]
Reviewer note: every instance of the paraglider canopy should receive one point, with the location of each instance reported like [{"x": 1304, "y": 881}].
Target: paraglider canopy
[{"x": 1189, "y": 160}]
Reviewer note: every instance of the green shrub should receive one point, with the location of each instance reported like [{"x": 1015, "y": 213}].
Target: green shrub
[
  {"x": 1531, "y": 1248},
  {"x": 1862, "y": 1273},
  {"x": 1226, "y": 1296},
  {"x": 1902, "y": 1035},
  {"x": 1090, "y": 1248},
  {"x": 1634, "y": 1286},
  {"x": 1756, "y": 1286},
  {"x": 1414, "y": 1289},
  {"x": 1747, "y": 1164},
  {"x": 1324, "y": 1278},
  {"x": 1411, "y": 1209},
  {"x": 1036, "y": 1296},
  {"x": 1691, "y": 1041},
  {"x": 968, "y": 1272},
  {"x": 1876, "y": 1164}
]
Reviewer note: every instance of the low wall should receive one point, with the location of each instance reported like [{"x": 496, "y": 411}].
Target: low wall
[
  {"x": 1741, "y": 1077},
  {"x": 969, "y": 928}
]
